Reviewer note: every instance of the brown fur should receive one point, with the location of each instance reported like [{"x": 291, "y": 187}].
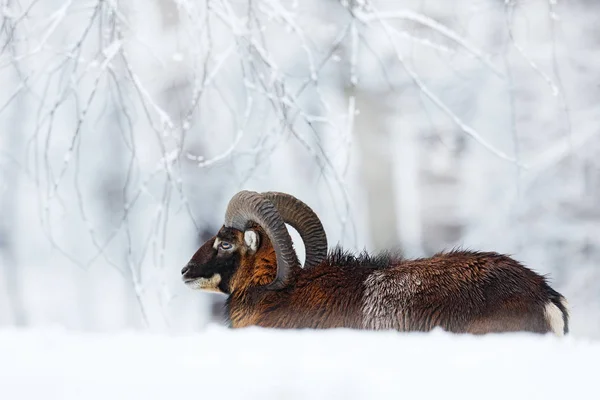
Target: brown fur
[
  {"x": 459, "y": 291},
  {"x": 466, "y": 292}
]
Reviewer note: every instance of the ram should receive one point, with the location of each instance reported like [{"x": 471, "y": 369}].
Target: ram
[{"x": 253, "y": 262}]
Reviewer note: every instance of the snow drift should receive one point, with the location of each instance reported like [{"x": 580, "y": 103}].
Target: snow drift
[{"x": 264, "y": 364}]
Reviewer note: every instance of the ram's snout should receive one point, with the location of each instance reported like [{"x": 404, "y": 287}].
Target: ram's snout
[
  {"x": 198, "y": 278},
  {"x": 198, "y": 274}
]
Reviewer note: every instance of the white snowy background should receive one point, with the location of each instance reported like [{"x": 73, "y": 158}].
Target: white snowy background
[{"x": 126, "y": 126}]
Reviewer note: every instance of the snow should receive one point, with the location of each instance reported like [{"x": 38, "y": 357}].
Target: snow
[{"x": 266, "y": 364}]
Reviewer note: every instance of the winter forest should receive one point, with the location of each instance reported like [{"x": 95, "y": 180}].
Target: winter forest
[{"x": 413, "y": 125}]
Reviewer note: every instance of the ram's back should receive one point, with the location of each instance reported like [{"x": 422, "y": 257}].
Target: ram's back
[{"x": 462, "y": 291}]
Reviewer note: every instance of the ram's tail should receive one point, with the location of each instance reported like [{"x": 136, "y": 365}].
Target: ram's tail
[{"x": 557, "y": 314}]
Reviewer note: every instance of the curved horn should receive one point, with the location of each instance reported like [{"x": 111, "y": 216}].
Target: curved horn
[
  {"x": 246, "y": 206},
  {"x": 305, "y": 221}
]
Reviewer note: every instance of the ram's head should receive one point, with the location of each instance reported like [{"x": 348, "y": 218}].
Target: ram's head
[{"x": 254, "y": 246}]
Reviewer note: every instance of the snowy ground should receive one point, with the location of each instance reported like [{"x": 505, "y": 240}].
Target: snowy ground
[{"x": 261, "y": 364}]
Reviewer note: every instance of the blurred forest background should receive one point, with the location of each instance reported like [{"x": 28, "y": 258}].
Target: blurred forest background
[{"x": 126, "y": 126}]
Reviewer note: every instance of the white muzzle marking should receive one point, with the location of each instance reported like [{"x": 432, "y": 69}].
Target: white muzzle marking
[{"x": 210, "y": 284}]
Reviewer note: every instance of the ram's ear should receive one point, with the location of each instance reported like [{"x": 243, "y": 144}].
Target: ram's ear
[{"x": 252, "y": 240}]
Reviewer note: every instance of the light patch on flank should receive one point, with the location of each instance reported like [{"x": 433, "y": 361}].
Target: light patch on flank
[
  {"x": 555, "y": 319},
  {"x": 209, "y": 284},
  {"x": 386, "y": 299}
]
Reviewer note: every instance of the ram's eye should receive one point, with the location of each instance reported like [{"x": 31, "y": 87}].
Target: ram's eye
[{"x": 225, "y": 245}]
